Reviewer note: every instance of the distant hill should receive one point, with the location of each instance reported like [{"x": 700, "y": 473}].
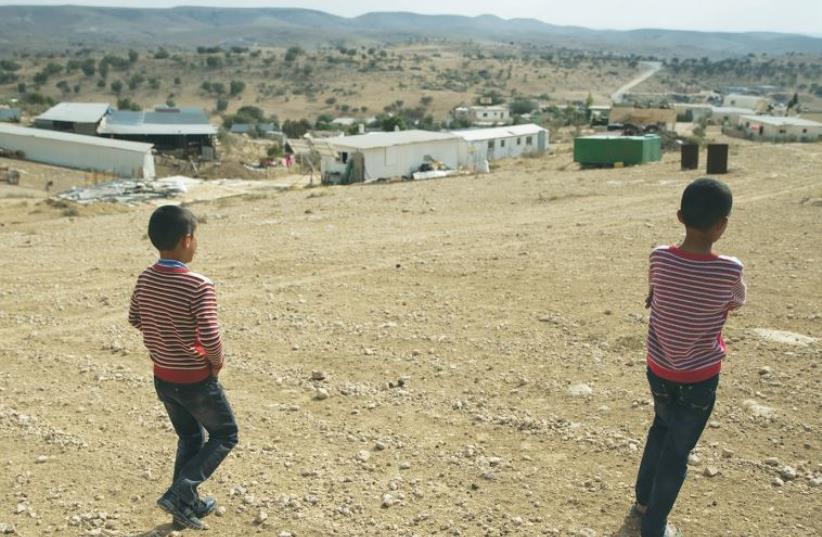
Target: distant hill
[{"x": 53, "y": 27}]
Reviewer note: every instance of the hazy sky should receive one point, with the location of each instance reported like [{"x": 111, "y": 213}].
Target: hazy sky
[{"x": 796, "y": 16}]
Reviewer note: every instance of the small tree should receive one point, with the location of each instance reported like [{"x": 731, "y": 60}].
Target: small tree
[
  {"x": 88, "y": 67},
  {"x": 214, "y": 62},
  {"x": 391, "y": 123},
  {"x": 133, "y": 56},
  {"x": 125, "y": 103},
  {"x": 296, "y": 129},
  {"x": 117, "y": 86},
  {"x": 236, "y": 87},
  {"x": 222, "y": 104}
]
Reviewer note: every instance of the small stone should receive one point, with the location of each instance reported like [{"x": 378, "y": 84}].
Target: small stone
[
  {"x": 363, "y": 455},
  {"x": 772, "y": 461},
  {"x": 388, "y": 500},
  {"x": 777, "y": 482},
  {"x": 580, "y": 390},
  {"x": 710, "y": 471},
  {"x": 787, "y": 473},
  {"x": 261, "y": 517},
  {"x": 41, "y": 459},
  {"x": 285, "y": 534},
  {"x": 318, "y": 375},
  {"x": 694, "y": 460},
  {"x": 220, "y": 511},
  {"x": 405, "y": 465},
  {"x": 249, "y": 499},
  {"x": 494, "y": 461},
  {"x": 713, "y": 424},
  {"x": 321, "y": 395},
  {"x": 379, "y": 446},
  {"x": 6, "y": 529},
  {"x": 765, "y": 370},
  {"x": 727, "y": 453}
]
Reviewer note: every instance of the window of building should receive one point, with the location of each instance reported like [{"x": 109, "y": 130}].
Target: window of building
[
  {"x": 485, "y": 114},
  {"x": 804, "y": 131},
  {"x": 529, "y": 140},
  {"x": 343, "y": 156},
  {"x": 502, "y": 143},
  {"x": 490, "y": 144},
  {"x": 519, "y": 141}
]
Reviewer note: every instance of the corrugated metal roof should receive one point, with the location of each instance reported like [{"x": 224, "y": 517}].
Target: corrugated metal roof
[
  {"x": 45, "y": 134},
  {"x": 159, "y": 121},
  {"x": 731, "y": 110},
  {"x": 473, "y": 135},
  {"x": 779, "y": 121},
  {"x": 75, "y": 112},
  {"x": 387, "y": 139}
]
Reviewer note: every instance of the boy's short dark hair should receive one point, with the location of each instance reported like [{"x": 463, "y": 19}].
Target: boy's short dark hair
[
  {"x": 168, "y": 224},
  {"x": 705, "y": 202}
]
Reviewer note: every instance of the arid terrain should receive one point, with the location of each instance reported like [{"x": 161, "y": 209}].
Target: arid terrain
[{"x": 479, "y": 341}]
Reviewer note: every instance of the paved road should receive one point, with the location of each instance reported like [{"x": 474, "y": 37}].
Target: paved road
[{"x": 616, "y": 97}]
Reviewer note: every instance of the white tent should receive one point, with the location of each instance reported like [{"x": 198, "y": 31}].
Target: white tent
[{"x": 123, "y": 159}]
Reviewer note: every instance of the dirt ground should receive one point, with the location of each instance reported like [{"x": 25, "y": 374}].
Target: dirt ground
[{"x": 481, "y": 339}]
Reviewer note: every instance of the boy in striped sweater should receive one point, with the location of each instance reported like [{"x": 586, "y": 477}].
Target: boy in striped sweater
[
  {"x": 176, "y": 311},
  {"x": 691, "y": 292}
]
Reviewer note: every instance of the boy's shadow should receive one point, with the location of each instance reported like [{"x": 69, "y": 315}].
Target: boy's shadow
[
  {"x": 160, "y": 531},
  {"x": 629, "y": 528}
]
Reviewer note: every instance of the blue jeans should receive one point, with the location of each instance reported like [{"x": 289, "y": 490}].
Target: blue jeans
[
  {"x": 680, "y": 414},
  {"x": 193, "y": 410}
]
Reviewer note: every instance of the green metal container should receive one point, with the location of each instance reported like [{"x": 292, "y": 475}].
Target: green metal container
[{"x": 607, "y": 150}]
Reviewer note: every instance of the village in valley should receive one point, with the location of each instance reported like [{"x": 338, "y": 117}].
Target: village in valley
[{"x": 431, "y": 258}]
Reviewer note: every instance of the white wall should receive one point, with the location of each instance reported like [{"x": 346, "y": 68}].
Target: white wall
[
  {"x": 473, "y": 153},
  {"x": 119, "y": 162},
  {"x": 402, "y": 160}
]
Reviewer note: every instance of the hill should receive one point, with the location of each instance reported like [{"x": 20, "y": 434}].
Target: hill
[{"x": 43, "y": 27}]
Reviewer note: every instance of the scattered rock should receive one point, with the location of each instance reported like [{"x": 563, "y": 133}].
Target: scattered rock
[
  {"x": 580, "y": 390},
  {"x": 710, "y": 471},
  {"x": 363, "y": 455},
  {"x": 220, "y": 511},
  {"x": 785, "y": 337},
  {"x": 777, "y": 482},
  {"x": 727, "y": 453},
  {"x": 388, "y": 500},
  {"x": 772, "y": 461},
  {"x": 261, "y": 517},
  {"x": 788, "y": 473},
  {"x": 318, "y": 375},
  {"x": 758, "y": 410},
  {"x": 694, "y": 460},
  {"x": 6, "y": 529},
  {"x": 321, "y": 395}
]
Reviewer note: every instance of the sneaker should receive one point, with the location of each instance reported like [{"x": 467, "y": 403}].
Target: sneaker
[
  {"x": 202, "y": 508},
  {"x": 183, "y": 514}
]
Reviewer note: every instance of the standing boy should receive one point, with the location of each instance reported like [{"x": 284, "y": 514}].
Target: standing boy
[
  {"x": 176, "y": 311},
  {"x": 691, "y": 292}
]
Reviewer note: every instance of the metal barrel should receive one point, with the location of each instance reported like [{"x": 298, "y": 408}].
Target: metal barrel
[
  {"x": 690, "y": 156},
  {"x": 717, "y": 158}
]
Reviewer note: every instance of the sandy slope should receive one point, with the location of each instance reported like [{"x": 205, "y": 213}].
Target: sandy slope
[{"x": 488, "y": 297}]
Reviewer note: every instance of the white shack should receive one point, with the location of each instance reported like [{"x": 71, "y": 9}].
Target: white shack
[
  {"x": 483, "y": 116},
  {"x": 497, "y": 143},
  {"x": 754, "y": 102},
  {"x": 781, "y": 129},
  {"x": 122, "y": 159},
  {"x": 381, "y": 155},
  {"x": 79, "y": 118},
  {"x": 728, "y": 115}
]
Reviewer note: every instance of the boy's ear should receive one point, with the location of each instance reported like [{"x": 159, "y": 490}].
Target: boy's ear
[
  {"x": 680, "y": 217},
  {"x": 185, "y": 241}
]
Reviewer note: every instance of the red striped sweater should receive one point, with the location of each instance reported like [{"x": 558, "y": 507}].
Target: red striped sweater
[
  {"x": 691, "y": 296},
  {"x": 176, "y": 310}
]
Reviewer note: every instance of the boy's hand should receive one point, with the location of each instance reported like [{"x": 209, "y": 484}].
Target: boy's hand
[{"x": 649, "y": 298}]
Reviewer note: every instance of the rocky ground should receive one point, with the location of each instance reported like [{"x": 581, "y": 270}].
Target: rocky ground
[{"x": 452, "y": 357}]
